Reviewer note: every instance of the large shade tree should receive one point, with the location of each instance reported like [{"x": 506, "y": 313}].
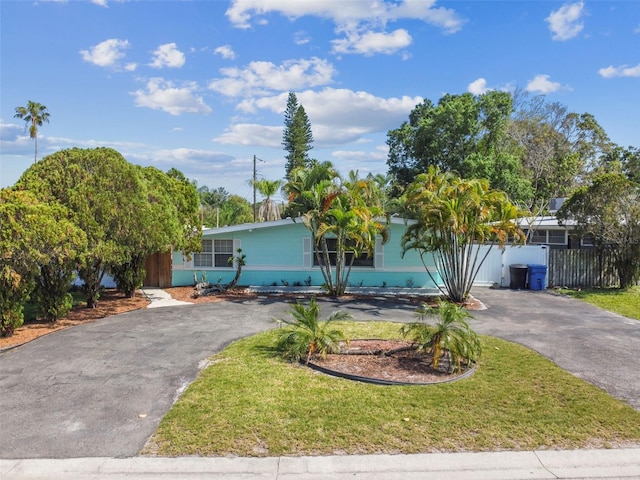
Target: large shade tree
[
  {"x": 101, "y": 190},
  {"x": 34, "y": 115},
  {"x": 120, "y": 208},
  {"x": 167, "y": 217},
  {"x": 462, "y": 134},
  {"x": 524, "y": 145},
  {"x": 608, "y": 209},
  {"x": 454, "y": 220}
]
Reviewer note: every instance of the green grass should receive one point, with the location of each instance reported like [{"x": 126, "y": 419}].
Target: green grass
[
  {"x": 624, "y": 302},
  {"x": 251, "y": 403}
]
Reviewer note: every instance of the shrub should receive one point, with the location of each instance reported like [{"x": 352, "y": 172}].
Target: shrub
[{"x": 451, "y": 337}]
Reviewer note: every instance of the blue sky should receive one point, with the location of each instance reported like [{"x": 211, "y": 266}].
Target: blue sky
[{"x": 202, "y": 85}]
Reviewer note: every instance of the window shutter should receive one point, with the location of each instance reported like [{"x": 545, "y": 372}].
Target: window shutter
[
  {"x": 307, "y": 252},
  {"x": 379, "y": 254},
  {"x": 237, "y": 243}
]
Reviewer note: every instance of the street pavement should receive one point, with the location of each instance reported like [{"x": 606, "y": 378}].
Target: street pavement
[{"x": 82, "y": 402}]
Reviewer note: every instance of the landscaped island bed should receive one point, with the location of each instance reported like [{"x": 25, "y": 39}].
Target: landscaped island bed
[{"x": 250, "y": 402}]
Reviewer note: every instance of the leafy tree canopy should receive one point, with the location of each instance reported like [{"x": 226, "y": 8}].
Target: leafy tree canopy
[
  {"x": 608, "y": 208},
  {"x": 125, "y": 211},
  {"x": 529, "y": 148},
  {"x": 446, "y": 135},
  {"x": 33, "y": 235}
]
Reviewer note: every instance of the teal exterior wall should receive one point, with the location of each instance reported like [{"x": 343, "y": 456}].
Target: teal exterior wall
[{"x": 275, "y": 255}]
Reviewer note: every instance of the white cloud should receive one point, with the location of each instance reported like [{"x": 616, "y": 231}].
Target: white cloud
[
  {"x": 252, "y": 134},
  {"x": 362, "y": 22},
  {"x": 621, "y": 71},
  {"x": 101, "y": 3},
  {"x": 478, "y": 87},
  {"x": 361, "y": 155},
  {"x": 542, "y": 84},
  {"x": 565, "y": 23},
  {"x": 340, "y": 116},
  {"x": 301, "y": 38},
  {"x": 265, "y": 77},
  {"x": 107, "y": 53},
  {"x": 164, "y": 95},
  {"x": 225, "y": 51},
  {"x": 167, "y": 55},
  {"x": 186, "y": 156},
  {"x": 370, "y": 43},
  {"x": 341, "y": 12}
]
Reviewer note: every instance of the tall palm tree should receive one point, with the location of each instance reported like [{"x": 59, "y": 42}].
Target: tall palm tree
[
  {"x": 268, "y": 209},
  {"x": 36, "y": 114}
]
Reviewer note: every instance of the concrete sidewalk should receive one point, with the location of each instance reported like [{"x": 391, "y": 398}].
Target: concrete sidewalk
[
  {"x": 541, "y": 464},
  {"x": 160, "y": 298}
]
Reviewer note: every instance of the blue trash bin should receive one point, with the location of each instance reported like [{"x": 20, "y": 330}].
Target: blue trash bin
[{"x": 537, "y": 277}]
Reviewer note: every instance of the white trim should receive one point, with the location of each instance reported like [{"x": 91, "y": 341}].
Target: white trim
[
  {"x": 285, "y": 221},
  {"x": 294, "y": 268},
  {"x": 378, "y": 254},
  {"x": 307, "y": 253}
]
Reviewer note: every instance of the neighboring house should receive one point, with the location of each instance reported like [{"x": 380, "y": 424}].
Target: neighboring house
[
  {"x": 281, "y": 253},
  {"x": 547, "y": 231}
]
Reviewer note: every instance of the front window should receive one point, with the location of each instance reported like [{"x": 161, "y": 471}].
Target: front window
[
  {"x": 361, "y": 260},
  {"x": 557, "y": 237},
  {"x": 539, "y": 236},
  {"x": 588, "y": 241},
  {"x": 215, "y": 253},
  {"x": 551, "y": 237}
]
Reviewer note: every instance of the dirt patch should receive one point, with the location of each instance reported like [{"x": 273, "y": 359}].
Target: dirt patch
[
  {"x": 185, "y": 294},
  {"x": 386, "y": 360},
  {"x": 111, "y": 302}
]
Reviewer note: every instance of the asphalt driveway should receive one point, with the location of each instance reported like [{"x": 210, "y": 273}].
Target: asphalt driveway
[{"x": 100, "y": 389}]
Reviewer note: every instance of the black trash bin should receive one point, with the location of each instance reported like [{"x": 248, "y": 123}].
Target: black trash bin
[{"x": 518, "y": 273}]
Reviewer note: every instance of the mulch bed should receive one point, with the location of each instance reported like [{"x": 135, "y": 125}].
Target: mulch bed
[{"x": 386, "y": 360}]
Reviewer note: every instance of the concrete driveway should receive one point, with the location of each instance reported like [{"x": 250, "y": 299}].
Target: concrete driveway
[{"x": 100, "y": 389}]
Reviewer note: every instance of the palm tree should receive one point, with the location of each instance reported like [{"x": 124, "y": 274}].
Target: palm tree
[
  {"x": 305, "y": 336},
  {"x": 348, "y": 211},
  {"x": 454, "y": 218},
  {"x": 36, "y": 114},
  {"x": 451, "y": 337},
  {"x": 268, "y": 209}
]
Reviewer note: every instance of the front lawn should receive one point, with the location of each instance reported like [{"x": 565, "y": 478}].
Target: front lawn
[
  {"x": 250, "y": 403},
  {"x": 624, "y": 302}
]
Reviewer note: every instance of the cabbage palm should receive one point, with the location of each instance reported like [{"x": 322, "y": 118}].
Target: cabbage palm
[
  {"x": 451, "y": 337},
  {"x": 268, "y": 209},
  {"x": 305, "y": 336},
  {"x": 36, "y": 114}
]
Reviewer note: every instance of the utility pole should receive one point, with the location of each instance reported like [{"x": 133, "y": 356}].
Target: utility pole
[
  {"x": 255, "y": 215},
  {"x": 255, "y": 179}
]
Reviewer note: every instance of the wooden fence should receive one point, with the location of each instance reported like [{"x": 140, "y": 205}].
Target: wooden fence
[{"x": 581, "y": 268}]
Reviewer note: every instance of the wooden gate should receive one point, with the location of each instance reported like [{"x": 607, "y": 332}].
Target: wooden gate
[{"x": 158, "y": 267}]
